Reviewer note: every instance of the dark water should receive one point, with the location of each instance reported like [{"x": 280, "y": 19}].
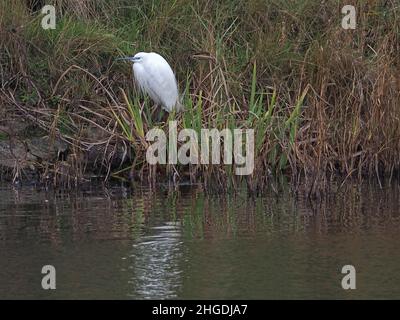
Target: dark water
[{"x": 121, "y": 243}]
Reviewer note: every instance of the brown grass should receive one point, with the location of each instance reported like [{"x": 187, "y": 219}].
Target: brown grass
[{"x": 66, "y": 83}]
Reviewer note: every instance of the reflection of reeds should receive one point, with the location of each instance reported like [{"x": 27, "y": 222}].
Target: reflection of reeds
[
  {"x": 321, "y": 99},
  {"x": 108, "y": 214}
]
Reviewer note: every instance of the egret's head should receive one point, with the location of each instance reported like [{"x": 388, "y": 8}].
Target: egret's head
[{"x": 137, "y": 58}]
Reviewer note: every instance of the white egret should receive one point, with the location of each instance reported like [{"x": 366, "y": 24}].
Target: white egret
[{"x": 155, "y": 77}]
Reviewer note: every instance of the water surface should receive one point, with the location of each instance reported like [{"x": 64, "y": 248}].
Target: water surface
[{"x": 137, "y": 243}]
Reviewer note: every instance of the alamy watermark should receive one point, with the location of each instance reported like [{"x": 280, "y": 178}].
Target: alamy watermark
[
  {"x": 349, "y": 20},
  {"x": 49, "y": 20},
  {"x": 349, "y": 280},
  {"x": 49, "y": 280},
  {"x": 197, "y": 150}
]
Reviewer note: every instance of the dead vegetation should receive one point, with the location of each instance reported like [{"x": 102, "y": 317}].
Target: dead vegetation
[{"x": 324, "y": 101}]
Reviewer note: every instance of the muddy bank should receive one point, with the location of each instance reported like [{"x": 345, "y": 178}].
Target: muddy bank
[{"x": 30, "y": 155}]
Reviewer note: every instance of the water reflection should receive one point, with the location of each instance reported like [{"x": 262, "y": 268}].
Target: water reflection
[
  {"x": 156, "y": 263},
  {"x": 141, "y": 243}
]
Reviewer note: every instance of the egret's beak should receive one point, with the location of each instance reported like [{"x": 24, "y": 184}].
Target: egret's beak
[{"x": 131, "y": 59}]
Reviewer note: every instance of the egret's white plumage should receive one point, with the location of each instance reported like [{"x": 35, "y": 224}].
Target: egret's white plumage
[{"x": 155, "y": 77}]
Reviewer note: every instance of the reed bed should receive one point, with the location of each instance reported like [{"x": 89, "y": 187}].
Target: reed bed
[{"x": 324, "y": 101}]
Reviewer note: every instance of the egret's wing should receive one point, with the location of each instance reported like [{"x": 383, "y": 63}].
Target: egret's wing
[{"x": 145, "y": 82}]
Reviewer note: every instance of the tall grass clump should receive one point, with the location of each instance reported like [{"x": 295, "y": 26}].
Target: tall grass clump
[{"x": 324, "y": 101}]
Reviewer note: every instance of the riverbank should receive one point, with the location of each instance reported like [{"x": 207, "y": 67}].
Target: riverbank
[{"x": 324, "y": 101}]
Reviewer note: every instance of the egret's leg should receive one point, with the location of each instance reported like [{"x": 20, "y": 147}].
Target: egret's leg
[{"x": 160, "y": 115}]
